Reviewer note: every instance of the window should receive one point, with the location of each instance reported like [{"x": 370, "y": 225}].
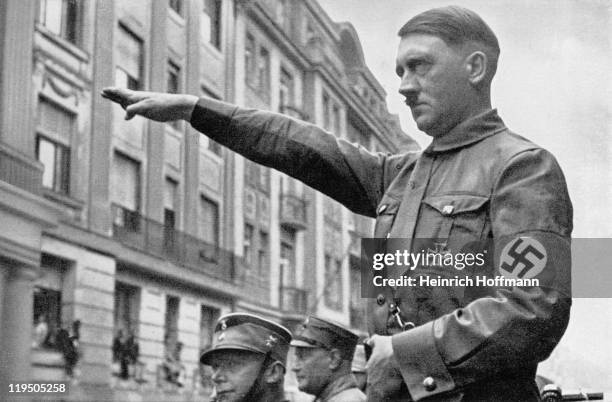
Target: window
[
  {"x": 333, "y": 283},
  {"x": 125, "y": 192},
  {"x": 47, "y": 316},
  {"x": 128, "y": 73},
  {"x": 170, "y": 204},
  {"x": 47, "y": 306},
  {"x": 263, "y": 72},
  {"x": 208, "y": 320},
  {"x": 262, "y": 254},
  {"x": 285, "y": 91},
  {"x": 249, "y": 60},
  {"x": 210, "y": 22},
  {"x": 171, "y": 323},
  {"x": 336, "y": 119},
  {"x": 257, "y": 67},
  {"x": 127, "y": 308},
  {"x": 173, "y": 86},
  {"x": 331, "y": 114},
  {"x": 287, "y": 265},
  {"x": 176, "y": 5},
  {"x": 287, "y": 254},
  {"x": 55, "y": 127},
  {"x": 247, "y": 247},
  {"x": 56, "y": 162},
  {"x": 326, "y": 111},
  {"x": 209, "y": 221},
  {"x": 60, "y": 17}
]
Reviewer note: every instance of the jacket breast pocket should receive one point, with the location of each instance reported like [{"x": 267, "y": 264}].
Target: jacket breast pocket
[{"x": 454, "y": 216}]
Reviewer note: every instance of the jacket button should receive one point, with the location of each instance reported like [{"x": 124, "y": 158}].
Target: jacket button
[
  {"x": 380, "y": 299},
  {"x": 382, "y": 208},
  {"x": 429, "y": 383}
]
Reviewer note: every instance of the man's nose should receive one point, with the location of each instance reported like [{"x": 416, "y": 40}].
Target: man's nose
[
  {"x": 409, "y": 85},
  {"x": 217, "y": 376}
]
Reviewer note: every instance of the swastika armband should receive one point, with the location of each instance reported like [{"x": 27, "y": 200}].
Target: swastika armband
[{"x": 537, "y": 255}]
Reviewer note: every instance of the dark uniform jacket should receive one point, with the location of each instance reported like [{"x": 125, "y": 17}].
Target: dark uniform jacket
[{"x": 478, "y": 182}]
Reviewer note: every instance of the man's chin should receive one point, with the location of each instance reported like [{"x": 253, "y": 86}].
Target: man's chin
[
  {"x": 303, "y": 386},
  {"x": 228, "y": 396},
  {"x": 423, "y": 124}
]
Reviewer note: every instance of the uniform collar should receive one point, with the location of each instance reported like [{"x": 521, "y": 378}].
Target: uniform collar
[
  {"x": 468, "y": 132},
  {"x": 335, "y": 387}
]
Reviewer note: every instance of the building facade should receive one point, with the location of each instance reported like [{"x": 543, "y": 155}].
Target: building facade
[{"x": 152, "y": 231}]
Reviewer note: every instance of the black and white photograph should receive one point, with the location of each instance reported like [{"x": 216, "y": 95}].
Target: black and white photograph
[{"x": 305, "y": 200}]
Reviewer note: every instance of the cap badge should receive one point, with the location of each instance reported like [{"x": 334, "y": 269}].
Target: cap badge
[
  {"x": 223, "y": 325},
  {"x": 271, "y": 341},
  {"x": 221, "y": 336}
]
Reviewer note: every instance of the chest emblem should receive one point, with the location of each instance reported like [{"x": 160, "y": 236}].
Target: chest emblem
[{"x": 448, "y": 209}]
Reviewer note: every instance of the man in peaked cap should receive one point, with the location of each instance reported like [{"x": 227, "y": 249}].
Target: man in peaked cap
[
  {"x": 323, "y": 356},
  {"x": 248, "y": 358}
]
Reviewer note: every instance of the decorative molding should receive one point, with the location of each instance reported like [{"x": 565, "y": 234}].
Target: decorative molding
[{"x": 60, "y": 86}]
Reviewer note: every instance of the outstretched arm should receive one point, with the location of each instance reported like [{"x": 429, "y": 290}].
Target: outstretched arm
[
  {"x": 152, "y": 105},
  {"x": 346, "y": 172}
]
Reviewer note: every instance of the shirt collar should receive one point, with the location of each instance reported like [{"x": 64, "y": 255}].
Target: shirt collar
[
  {"x": 335, "y": 387},
  {"x": 468, "y": 132}
]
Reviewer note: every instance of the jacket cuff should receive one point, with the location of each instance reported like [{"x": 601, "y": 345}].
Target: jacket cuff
[
  {"x": 212, "y": 117},
  {"x": 420, "y": 364}
]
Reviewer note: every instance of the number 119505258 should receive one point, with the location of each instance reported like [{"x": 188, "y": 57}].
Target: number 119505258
[{"x": 37, "y": 388}]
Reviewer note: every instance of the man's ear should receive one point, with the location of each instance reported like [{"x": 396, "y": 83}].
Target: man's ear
[
  {"x": 274, "y": 373},
  {"x": 476, "y": 65},
  {"x": 335, "y": 359}
]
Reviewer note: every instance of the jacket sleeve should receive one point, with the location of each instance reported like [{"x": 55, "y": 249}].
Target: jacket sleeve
[
  {"x": 345, "y": 172},
  {"x": 509, "y": 333}
]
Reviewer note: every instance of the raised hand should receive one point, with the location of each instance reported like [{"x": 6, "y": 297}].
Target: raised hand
[
  {"x": 384, "y": 379},
  {"x": 152, "y": 105}
]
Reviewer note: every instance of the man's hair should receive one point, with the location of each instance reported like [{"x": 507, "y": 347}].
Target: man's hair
[{"x": 455, "y": 26}]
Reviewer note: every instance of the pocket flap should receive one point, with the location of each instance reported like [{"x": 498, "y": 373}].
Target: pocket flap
[{"x": 453, "y": 204}]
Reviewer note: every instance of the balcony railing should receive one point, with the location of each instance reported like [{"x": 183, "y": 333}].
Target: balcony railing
[
  {"x": 17, "y": 170},
  {"x": 293, "y": 212},
  {"x": 151, "y": 237},
  {"x": 293, "y": 300}
]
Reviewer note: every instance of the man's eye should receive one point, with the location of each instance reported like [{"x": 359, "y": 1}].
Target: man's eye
[{"x": 419, "y": 67}]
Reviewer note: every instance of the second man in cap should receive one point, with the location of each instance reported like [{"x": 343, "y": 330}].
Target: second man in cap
[{"x": 323, "y": 355}]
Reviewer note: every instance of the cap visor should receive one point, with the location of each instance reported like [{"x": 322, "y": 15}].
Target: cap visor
[
  {"x": 302, "y": 344},
  {"x": 206, "y": 356}
]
